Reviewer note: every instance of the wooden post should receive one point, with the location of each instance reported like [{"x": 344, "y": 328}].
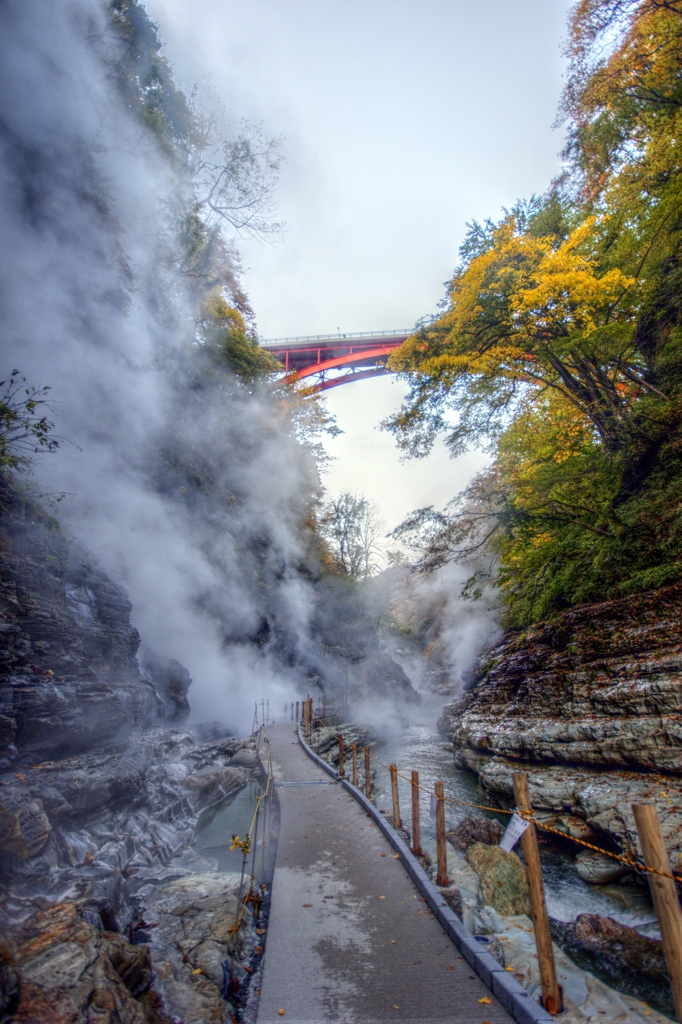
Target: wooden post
[
  {"x": 340, "y": 739},
  {"x": 664, "y": 895},
  {"x": 397, "y": 821},
  {"x": 416, "y": 837},
  {"x": 442, "y": 868},
  {"x": 551, "y": 993},
  {"x": 354, "y": 748},
  {"x": 368, "y": 775}
]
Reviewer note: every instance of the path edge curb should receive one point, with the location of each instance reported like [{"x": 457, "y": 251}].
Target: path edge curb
[{"x": 506, "y": 989}]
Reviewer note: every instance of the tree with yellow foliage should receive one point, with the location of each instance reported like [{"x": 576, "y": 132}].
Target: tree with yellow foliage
[{"x": 560, "y": 343}]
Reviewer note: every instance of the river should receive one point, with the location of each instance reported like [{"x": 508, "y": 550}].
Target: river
[{"x": 421, "y": 748}]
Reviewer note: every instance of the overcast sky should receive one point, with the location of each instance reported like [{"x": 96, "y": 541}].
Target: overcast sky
[{"x": 401, "y": 120}]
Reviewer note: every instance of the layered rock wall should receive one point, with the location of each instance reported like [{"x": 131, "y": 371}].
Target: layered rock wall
[
  {"x": 590, "y": 705},
  {"x": 599, "y": 686},
  {"x": 69, "y": 678}
]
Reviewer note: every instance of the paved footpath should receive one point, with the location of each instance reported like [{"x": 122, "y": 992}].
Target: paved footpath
[{"x": 349, "y": 937}]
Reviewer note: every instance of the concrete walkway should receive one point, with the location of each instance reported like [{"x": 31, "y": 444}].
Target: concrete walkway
[{"x": 349, "y": 938}]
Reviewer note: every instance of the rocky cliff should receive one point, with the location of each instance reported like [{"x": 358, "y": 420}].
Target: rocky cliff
[
  {"x": 590, "y": 704},
  {"x": 100, "y": 798},
  {"x": 69, "y": 677}
]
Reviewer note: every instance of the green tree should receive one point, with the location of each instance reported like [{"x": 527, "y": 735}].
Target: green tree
[{"x": 560, "y": 343}]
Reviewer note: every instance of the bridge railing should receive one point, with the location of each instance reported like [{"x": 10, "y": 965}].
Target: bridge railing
[{"x": 358, "y": 335}]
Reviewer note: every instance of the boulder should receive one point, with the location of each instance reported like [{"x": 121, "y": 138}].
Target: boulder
[
  {"x": 245, "y": 758},
  {"x": 475, "y": 829},
  {"x": 502, "y": 877},
  {"x": 196, "y": 954},
  {"x": 597, "y": 869},
  {"x": 66, "y": 974},
  {"x": 24, "y": 826},
  {"x": 609, "y": 940},
  {"x": 618, "y": 955},
  {"x": 212, "y": 784}
]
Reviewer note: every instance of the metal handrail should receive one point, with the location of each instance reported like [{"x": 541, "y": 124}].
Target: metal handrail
[{"x": 403, "y": 332}]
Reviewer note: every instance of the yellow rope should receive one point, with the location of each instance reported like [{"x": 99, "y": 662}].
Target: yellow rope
[
  {"x": 630, "y": 861},
  {"x": 245, "y": 844}
]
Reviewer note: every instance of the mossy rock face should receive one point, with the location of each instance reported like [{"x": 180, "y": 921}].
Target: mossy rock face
[{"x": 502, "y": 877}]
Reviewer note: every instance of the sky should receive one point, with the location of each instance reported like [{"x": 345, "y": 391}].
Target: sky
[{"x": 399, "y": 122}]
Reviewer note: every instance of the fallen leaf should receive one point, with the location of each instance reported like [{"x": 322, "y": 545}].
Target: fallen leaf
[
  {"x": 396, "y": 856},
  {"x": 393, "y": 942},
  {"x": 485, "y": 999},
  {"x": 197, "y": 970},
  {"x": 449, "y": 968},
  {"x": 509, "y": 969},
  {"x": 383, "y": 854},
  {"x": 382, "y": 897},
  {"x": 281, "y": 1012},
  {"x": 395, "y": 1006},
  {"x": 307, "y": 904}
]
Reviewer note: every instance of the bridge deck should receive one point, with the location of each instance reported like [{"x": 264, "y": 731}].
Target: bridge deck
[{"x": 349, "y": 939}]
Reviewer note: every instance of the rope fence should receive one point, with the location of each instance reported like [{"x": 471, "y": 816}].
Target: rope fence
[
  {"x": 523, "y": 826},
  {"x": 631, "y": 862},
  {"x": 248, "y": 844}
]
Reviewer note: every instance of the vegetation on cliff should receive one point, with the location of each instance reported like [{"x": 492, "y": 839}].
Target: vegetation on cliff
[{"x": 560, "y": 341}]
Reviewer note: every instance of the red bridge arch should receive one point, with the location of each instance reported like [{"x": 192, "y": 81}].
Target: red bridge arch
[{"x": 325, "y": 356}]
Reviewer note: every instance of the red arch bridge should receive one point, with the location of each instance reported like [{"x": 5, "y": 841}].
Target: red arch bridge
[{"x": 335, "y": 359}]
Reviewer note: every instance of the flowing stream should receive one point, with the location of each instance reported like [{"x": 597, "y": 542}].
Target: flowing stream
[{"x": 423, "y": 749}]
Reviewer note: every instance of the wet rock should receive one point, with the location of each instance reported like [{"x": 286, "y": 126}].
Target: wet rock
[
  {"x": 132, "y": 963},
  {"x": 24, "y": 826},
  {"x": 502, "y": 877},
  {"x": 196, "y": 952},
  {"x": 9, "y": 981},
  {"x": 475, "y": 829},
  {"x": 171, "y": 680},
  {"x": 67, "y": 976},
  {"x": 245, "y": 758},
  {"x": 597, "y": 869},
  {"x": 601, "y": 800},
  {"x": 69, "y": 679},
  {"x": 597, "y": 686},
  {"x": 586, "y": 997},
  {"x": 212, "y": 784},
  {"x": 620, "y": 956},
  {"x": 608, "y": 940}
]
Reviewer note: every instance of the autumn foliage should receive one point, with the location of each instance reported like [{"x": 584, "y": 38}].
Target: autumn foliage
[{"x": 560, "y": 343}]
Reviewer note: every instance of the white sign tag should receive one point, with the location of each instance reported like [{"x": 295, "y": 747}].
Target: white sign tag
[
  {"x": 433, "y": 805},
  {"x": 513, "y": 832}
]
